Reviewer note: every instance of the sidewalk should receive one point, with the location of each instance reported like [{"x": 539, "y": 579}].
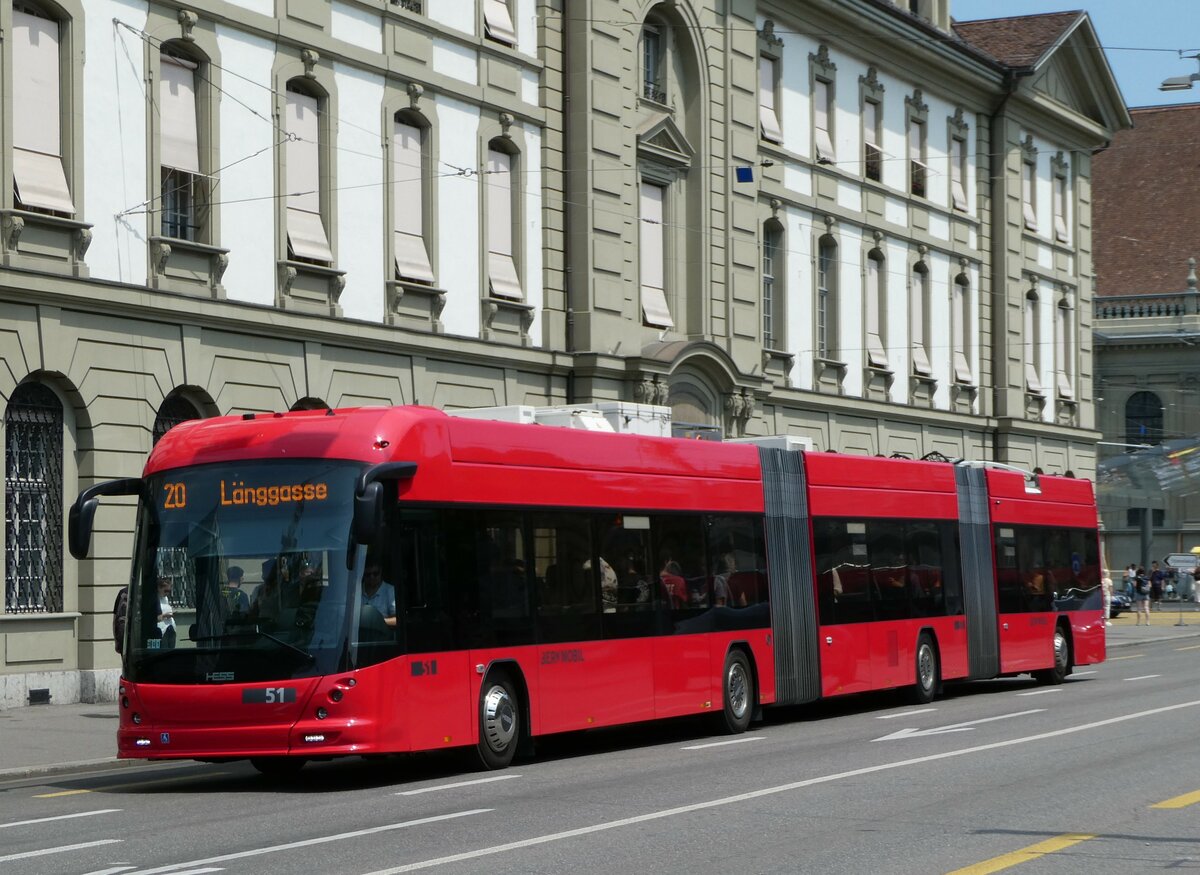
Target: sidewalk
[{"x": 61, "y": 739}]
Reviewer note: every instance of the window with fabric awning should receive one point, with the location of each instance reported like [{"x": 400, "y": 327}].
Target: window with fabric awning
[
  {"x": 498, "y": 20},
  {"x": 652, "y": 255},
  {"x": 503, "y": 278},
  {"x": 38, "y": 173},
  {"x": 179, "y": 132},
  {"x": 876, "y": 311},
  {"x": 768, "y": 113},
  {"x": 306, "y": 230},
  {"x": 408, "y": 203}
]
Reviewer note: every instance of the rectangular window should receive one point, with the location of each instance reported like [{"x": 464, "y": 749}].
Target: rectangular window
[
  {"x": 498, "y": 21},
  {"x": 1060, "y": 208},
  {"x": 408, "y": 204},
  {"x": 503, "y": 278},
  {"x": 822, "y": 121},
  {"x": 958, "y": 173},
  {"x": 568, "y": 607},
  {"x": 652, "y": 51},
  {"x": 916, "y": 157},
  {"x": 1066, "y": 352},
  {"x": 179, "y": 145},
  {"x": 875, "y": 314},
  {"x": 769, "y": 264},
  {"x": 768, "y": 113},
  {"x": 872, "y": 154},
  {"x": 1033, "y": 382},
  {"x": 38, "y": 175},
  {"x": 826, "y": 282},
  {"x": 1028, "y": 193},
  {"x": 652, "y": 256},
  {"x": 306, "y": 231},
  {"x": 919, "y": 300},
  {"x": 958, "y": 329}
]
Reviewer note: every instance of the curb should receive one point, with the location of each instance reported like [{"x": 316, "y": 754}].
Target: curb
[{"x": 58, "y": 769}]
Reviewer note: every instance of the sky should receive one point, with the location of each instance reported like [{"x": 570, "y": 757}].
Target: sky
[{"x": 1142, "y": 39}]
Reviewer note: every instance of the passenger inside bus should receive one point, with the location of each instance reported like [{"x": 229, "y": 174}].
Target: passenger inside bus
[{"x": 378, "y": 595}]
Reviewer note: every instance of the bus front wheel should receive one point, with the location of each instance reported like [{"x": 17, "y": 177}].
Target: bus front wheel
[
  {"x": 499, "y": 722},
  {"x": 1062, "y": 659},
  {"x": 738, "y": 692}
]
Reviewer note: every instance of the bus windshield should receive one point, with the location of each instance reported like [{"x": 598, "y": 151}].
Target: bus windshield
[{"x": 240, "y": 573}]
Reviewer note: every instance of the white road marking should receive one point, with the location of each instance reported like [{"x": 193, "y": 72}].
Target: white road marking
[
  {"x": 59, "y": 817},
  {"x": 61, "y": 849},
  {"x": 454, "y": 785},
  {"x": 953, "y": 727},
  {"x": 1080, "y": 674},
  {"x": 772, "y": 791},
  {"x": 178, "y": 868},
  {"x": 1144, "y": 677},
  {"x": 1041, "y": 692},
  {"x": 904, "y": 713},
  {"x": 741, "y": 740},
  {"x": 112, "y": 870}
]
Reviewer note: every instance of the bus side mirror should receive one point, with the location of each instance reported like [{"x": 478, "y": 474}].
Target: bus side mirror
[
  {"x": 83, "y": 511},
  {"x": 368, "y": 513},
  {"x": 79, "y": 527}
]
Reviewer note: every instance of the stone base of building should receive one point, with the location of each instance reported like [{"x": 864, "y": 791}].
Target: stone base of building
[{"x": 62, "y": 687}]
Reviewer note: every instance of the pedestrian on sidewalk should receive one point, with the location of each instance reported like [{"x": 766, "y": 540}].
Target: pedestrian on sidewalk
[
  {"x": 1106, "y": 594},
  {"x": 1157, "y": 579},
  {"x": 1129, "y": 584},
  {"x": 1141, "y": 596}
]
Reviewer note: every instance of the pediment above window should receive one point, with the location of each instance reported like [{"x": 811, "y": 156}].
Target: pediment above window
[{"x": 660, "y": 140}]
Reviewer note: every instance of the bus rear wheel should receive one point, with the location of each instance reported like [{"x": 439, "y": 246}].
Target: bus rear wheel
[
  {"x": 927, "y": 671},
  {"x": 737, "y": 683},
  {"x": 1062, "y": 659},
  {"x": 499, "y": 722}
]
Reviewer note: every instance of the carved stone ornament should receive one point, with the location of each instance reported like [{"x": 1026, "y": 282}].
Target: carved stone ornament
[
  {"x": 916, "y": 103},
  {"x": 187, "y": 21},
  {"x": 1191, "y": 277},
  {"x": 650, "y": 390},
  {"x": 829, "y": 223},
  {"x": 877, "y": 236},
  {"x": 220, "y": 264},
  {"x": 739, "y": 405},
  {"x": 490, "y": 311},
  {"x": 309, "y": 58},
  {"x": 776, "y": 205},
  {"x": 162, "y": 256},
  {"x": 526, "y": 321},
  {"x": 287, "y": 276},
  {"x": 415, "y": 91},
  {"x": 822, "y": 61},
  {"x": 959, "y": 121},
  {"x": 83, "y": 239},
  {"x": 871, "y": 82},
  {"x": 437, "y": 305},
  {"x": 337, "y": 285},
  {"x": 13, "y": 226},
  {"x": 506, "y": 123},
  {"x": 768, "y": 37}
]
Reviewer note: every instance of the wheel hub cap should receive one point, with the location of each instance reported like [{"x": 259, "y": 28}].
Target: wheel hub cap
[{"x": 499, "y": 719}]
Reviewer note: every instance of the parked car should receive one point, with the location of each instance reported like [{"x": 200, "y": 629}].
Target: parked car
[{"x": 1118, "y": 603}]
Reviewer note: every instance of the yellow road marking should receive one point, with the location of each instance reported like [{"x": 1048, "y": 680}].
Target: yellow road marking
[
  {"x": 1179, "y": 801},
  {"x": 125, "y": 786},
  {"x": 1016, "y": 858},
  {"x": 1117, "y": 658},
  {"x": 1193, "y": 647},
  {"x": 60, "y": 793}
]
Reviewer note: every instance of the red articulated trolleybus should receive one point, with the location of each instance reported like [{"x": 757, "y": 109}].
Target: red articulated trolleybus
[{"x": 327, "y": 583}]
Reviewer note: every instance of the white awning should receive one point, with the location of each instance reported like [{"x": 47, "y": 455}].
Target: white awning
[
  {"x": 499, "y": 21},
  {"x": 306, "y": 236},
  {"x": 412, "y": 260},
  {"x": 654, "y": 308},
  {"x": 303, "y": 154},
  {"x": 40, "y": 181},
  {"x": 502, "y": 276},
  {"x": 35, "y": 86},
  {"x": 179, "y": 134}
]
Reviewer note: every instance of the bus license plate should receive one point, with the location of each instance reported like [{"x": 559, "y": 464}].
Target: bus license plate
[{"x": 269, "y": 696}]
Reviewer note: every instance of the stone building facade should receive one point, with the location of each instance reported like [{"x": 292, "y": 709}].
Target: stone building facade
[
  {"x": 854, "y": 221},
  {"x": 1147, "y": 334}
]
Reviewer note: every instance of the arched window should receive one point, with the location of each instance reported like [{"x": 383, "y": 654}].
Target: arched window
[
  {"x": 773, "y": 287},
  {"x": 1143, "y": 419},
  {"x": 1065, "y": 347},
  {"x": 309, "y": 403},
  {"x": 174, "y": 410},
  {"x": 503, "y": 192},
  {"x": 410, "y": 208},
  {"x": 919, "y": 319},
  {"x": 876, "y": 310},
  {"x": 1033, "y": 344},
  {"x": 33, "y": 490},
  {"x": 308, "y": 239},
  {"x": 826, "y": 303},
  {"x": 181, "y": 170}
]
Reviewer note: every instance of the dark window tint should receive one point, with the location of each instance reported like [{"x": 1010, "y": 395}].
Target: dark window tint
[
  {"x": 681, "y": 569},
  {"x": 1042, "y": 568},
  {"x": 567, "y": 596},
  {"x": 627, "y": 590}
]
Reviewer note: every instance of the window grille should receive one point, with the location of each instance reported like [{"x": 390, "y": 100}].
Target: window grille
[
  {"x": 178, "y": 204},
  {"x": 173, "y": 411},
  {"x": 33, "y": 488}
]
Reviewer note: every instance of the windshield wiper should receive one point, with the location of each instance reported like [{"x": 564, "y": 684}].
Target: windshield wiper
[{"x": 254, "y": 630}]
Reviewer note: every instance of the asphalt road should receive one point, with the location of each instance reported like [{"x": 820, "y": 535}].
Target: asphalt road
[{"x": 1098, "y": 775}]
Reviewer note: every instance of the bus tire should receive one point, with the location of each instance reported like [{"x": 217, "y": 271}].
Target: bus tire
[
  {"x": 737, "y": 689},
  {"x": 278, "y": 768},
  {"x": 1062, "y": 659},
  {"x": 928, "y": 672},
  {"x": 499, "y": 721}
]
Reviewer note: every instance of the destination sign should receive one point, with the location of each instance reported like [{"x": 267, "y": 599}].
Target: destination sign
[{"x": 238, "y": 493}]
